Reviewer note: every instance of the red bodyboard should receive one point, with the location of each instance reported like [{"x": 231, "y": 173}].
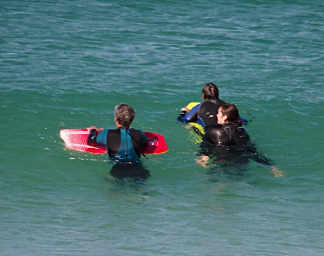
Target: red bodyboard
[{"x": 77, "y": 139}]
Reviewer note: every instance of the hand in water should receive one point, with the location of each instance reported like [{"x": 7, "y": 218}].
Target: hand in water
[
  {"x": 202, "y": 160},
  {"x": 184, "y": 110},
  {"x": 276, "y": 172}
]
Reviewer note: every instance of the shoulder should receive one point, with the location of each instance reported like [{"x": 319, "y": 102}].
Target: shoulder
[
  {"x": 212, "y": 104},
  {"x": 240, "y": 134},
  {"x": 112, "y": 132},
  {"x": 208, "y": 106},
  {"x": 221, "y": 102},
  {"x": 138, "y": 137},
  {"x": 208, "y": 103},
  {"x": 240, "y": 130},
  {"x": 103, "y": 132},
  {"x": 219, "y": 131},
  {"x": 137, "y": 133},
  {"x": 102, "y": 136},
  {"x": 215, "y": 134},
  {"x": 215, "y": 127},
  {"x": 234, "y": 127}
]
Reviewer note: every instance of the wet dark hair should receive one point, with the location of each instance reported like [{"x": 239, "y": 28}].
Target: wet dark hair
[
  {"x": 232, "y": 113},
  {"x": 124, "y": 114},
  {"x": 210, "y": 91}
]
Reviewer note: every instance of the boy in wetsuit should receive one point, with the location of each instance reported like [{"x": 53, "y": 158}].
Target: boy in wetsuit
[{"x": 124, "y": 144}]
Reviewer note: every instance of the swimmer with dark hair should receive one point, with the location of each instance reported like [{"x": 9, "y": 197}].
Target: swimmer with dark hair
[
  {"x": 228, "y": 136},
  {"x": 207, "y": 112}
]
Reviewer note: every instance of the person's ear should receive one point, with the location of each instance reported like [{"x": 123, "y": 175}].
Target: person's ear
[{"x": 118, "y": 125}]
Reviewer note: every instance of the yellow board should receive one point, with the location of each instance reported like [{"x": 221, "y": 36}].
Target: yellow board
[
  {"x": 192, "y": 104},
  {"x": 196, "y": 132},
  {"x": 197, "y": 128}
]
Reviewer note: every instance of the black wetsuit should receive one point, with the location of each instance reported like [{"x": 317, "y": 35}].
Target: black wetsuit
[
  {"x": 207, "y": 112},
  {"x": 230, "y": 142}
]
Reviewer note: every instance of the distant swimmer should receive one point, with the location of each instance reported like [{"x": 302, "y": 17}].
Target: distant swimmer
[
  {"x": 124, "y": 144},
  {"x": 206, "y": 112},
  {"x": 227, "y": 140}
]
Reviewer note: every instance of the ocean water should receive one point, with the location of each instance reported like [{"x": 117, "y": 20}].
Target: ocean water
[{"x": 66, "y": 64}]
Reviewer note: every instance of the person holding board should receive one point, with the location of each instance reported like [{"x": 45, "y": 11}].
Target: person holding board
[
  {"x": 207, "y": 110},
  {"x": 204, "y": 113},
  {"x": 124, "y": 144}
]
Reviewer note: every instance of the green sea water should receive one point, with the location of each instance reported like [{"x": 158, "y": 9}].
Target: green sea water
[{"x": 66, "y": 64}]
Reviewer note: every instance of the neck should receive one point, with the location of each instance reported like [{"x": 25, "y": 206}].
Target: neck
[
  {"x": 213, "y": 100},
  {"x": 119, "y": 126}
]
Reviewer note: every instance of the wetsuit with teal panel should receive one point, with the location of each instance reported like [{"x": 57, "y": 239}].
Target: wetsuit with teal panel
[{"x": 123, "y": 145}]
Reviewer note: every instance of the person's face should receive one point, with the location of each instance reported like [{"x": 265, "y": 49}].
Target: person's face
[{"x": 220, "y": 117}]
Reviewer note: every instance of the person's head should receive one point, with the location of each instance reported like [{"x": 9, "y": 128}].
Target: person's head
[
  {"x": 124, "y": 115},
  {"x": 228, "y": 113},
  {"x": 209, "y": 91}
]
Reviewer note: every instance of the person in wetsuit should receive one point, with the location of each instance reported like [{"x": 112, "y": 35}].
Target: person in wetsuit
[
  {"x": 124, "y": 144},
  {"x": 207, "y": 112},
  {"x": 229, "y": 141}
]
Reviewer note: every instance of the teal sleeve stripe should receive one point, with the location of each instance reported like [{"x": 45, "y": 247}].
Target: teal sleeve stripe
[
  {"x": 102, "y": 137},
  {"x": 144, "y": 137}
]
